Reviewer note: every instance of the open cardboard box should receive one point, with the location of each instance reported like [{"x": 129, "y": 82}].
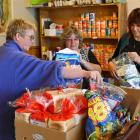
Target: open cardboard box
[{"x": 26, "y": 131}]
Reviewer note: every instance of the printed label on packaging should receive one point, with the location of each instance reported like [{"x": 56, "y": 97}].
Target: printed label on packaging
[
  {"x": 37, "y": 136},
  {"x": 38, "y": 123}
]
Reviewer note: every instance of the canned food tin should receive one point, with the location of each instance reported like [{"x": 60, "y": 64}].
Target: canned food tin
[
  {"x": 83, "y": 16},
  {"x": 115, "y": 23},
  {"x": 103, "y": 32},
  {"x": 84, "y": 24},
  {"x": 92, "y": 16},
  {"x": 103, "y": 24},
  {"x": 98, "y": 33},
  {"x": 109, "y": 23},
  {"x": 107, "y": 31},
  {"x": 87, "y": 16},
  {"x": 98, "y": 24},
  {"x": 93, "y": 32},
  {"x": 112, "y": 32}
]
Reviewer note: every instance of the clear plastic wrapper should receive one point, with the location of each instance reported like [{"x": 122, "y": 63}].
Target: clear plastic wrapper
[
  {"x": 111, "y": 93},
  {"x": 62, "y": 122},
  {"x": 127, "y": 72}
]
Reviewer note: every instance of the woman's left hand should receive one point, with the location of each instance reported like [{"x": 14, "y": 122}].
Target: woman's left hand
[{"x": 134, "y": 56}]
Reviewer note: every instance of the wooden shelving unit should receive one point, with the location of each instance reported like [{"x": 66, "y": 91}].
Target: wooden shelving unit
[{"x": 65, "y": 14}]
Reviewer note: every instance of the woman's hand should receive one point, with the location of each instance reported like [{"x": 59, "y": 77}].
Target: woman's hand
[
  {"x": 77, "y": 72},
  {"x": 94, "y": 75},
  {"x": 112, "y": 69},
  {"x": 134, "y": 56}
]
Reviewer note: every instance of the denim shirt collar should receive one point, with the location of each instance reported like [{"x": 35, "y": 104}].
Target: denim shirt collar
[{"x": 13, "y": 44}]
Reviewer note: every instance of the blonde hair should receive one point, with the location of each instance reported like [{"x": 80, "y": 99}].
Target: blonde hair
[
  {"x": 18, "y": 26},
  {"x": 68, "y": 32}
]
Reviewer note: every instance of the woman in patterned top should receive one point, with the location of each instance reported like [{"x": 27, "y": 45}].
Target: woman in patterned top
[{"x": 72, "y": 39}]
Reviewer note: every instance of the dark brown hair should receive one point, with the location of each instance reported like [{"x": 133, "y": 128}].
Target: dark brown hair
[{"x": 133, "y": 18}]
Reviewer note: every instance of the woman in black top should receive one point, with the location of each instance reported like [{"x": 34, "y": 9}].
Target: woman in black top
[{"x": 130, "y": 42}]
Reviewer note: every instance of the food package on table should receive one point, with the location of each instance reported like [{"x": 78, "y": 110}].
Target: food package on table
[
  {"x": 23, "y": 114},
  {"x": 80, "y": 116},
  {"x": 39, "y": 118},
  {"x": 127, "y": 72},
  {"x": 71, "y": 59},
  {"x": 62, "y": 122},
  {"x": 21, "y": 101},
  {"x": 37, "y": 107},
  {"x": 68, "y": 101},
  {"x": 103, "y": 121},
  {"x": 110, "y": 93}
]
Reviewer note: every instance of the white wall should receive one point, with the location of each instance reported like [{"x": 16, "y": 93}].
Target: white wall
[
  {"x": 19, "y": 10},
  {"x": 131, "y": 4}
]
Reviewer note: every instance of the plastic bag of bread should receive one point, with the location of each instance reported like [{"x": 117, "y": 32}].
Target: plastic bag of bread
[
  {"x": 62, "y": 122},
  {"x": 69, "y": 100}
]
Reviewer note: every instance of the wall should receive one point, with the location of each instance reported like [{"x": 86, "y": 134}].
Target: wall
[
  {"x": 131, "y": 4},
  {"x": 19, "y": 10}
]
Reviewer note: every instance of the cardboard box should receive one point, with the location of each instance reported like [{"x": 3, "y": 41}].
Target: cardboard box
[
  {"x": 26, "y": 131},
  {"x": 132, "y": 99}
]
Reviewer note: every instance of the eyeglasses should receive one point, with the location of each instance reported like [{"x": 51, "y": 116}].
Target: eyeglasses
[
  {"x": 74, "y": 39},
  {"x": 32, "y": 37}
]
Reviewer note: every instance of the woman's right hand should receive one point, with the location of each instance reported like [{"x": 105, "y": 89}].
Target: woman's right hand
[
  {"x": 112, "y": 69},
  {"x": 77, "y": 72},
  {"x": 94, "y": 75}
]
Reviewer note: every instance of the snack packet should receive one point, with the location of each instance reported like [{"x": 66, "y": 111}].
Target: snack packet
[{"x": 110, "y": 93}]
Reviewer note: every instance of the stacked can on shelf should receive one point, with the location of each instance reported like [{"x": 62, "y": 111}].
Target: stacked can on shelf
[
  {"x": 90, "y": 26},
  {"x": 103, "y": 53}
]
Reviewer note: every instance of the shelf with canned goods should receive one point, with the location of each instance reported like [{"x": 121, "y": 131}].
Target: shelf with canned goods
[
  {"x": 99, "y": 24},
  {"x": 99, "y": 20}
]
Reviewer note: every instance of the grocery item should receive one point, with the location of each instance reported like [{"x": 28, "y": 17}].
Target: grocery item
[{"x": 127, "y": 72}]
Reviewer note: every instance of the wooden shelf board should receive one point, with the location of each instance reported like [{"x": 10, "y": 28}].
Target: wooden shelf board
[
  {"x": 83, "y": 38},
  {"x": 74, "y": 6}
]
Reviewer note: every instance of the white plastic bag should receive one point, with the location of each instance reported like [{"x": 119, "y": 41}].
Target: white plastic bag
[{"x": 126, "y": 70}]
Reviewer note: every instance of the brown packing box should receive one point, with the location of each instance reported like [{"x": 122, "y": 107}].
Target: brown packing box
[
  {"x": 132, "y": 99},
  {"x": 26, "y": 131}
]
